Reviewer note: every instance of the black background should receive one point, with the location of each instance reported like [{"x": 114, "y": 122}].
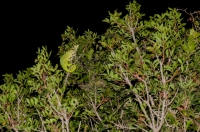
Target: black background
[{"x": 28, "y": 25}]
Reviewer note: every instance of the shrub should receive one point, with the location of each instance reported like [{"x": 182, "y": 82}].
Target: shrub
[{"x": 137, "y": 76}]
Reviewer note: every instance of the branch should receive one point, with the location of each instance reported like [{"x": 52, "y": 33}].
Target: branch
[
  {"x": 95, "y": 109},
  {"x": 43, "y": 126}
]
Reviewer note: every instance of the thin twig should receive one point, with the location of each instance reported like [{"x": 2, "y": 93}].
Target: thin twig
[
  {"x": 79, "y": 126},
  {"x": 43, "y": 126}
]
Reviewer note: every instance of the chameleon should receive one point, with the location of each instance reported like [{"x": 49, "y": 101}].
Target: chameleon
[{"x": 66, "y": 60}]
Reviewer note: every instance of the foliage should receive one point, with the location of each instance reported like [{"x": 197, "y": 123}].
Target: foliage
[{"x": 137, "y": 76}]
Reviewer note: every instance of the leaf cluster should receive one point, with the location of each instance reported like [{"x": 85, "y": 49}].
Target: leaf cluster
[{"x": 137, "y": 76}]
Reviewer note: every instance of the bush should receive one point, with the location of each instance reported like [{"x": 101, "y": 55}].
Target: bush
[{"x": 137, "y": 76}]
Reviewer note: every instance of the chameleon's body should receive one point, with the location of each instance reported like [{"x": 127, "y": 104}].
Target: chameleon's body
[{"x": 66, "y": 60}]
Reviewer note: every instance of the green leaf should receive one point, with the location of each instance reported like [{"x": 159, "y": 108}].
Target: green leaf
[
  {"x": 194, "y": 34},
  {"x": 186, "y": 48},
  {"x": 168, "y": 68},
  {"x": 188, "y": 124},
  {"x": 151, "y": 49},
  {"x": 180, "y": 61},
  {"x": 76, "y": 113},
  {"x": 172, "y": 86},
  {"x": 167, "y": 52},
  {"x": 170, "y": 117},
  {"x": 179, "y": 42},
  {"x": 182, "y": 68},
  {"x": 89, "y": 54}
]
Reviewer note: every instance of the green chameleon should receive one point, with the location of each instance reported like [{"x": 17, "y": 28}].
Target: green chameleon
[{"x": 66, "y": 60}]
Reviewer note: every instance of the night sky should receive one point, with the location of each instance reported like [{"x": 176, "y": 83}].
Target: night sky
[{"x": 27, "y": 26}]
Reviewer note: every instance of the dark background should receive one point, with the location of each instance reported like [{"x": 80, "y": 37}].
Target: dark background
[{"x": 28, "y": 25}]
